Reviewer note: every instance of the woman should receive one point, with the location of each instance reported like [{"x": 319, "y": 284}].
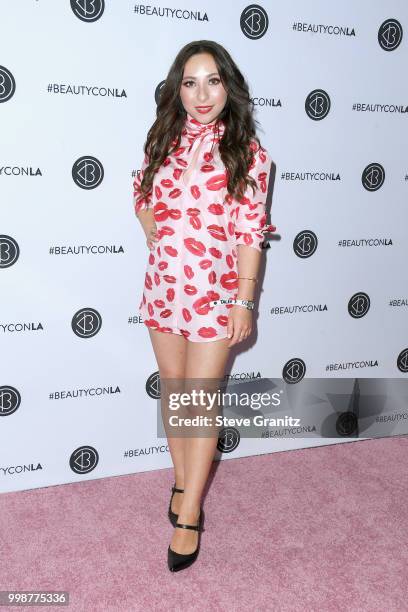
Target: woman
[{"x": 200, "y": 198}]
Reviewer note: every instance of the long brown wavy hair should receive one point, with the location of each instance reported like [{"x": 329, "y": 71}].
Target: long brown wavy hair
[{"x": 240, "y": 126}]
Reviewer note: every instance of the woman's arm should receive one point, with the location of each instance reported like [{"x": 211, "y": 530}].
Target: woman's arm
[
  {"x": 143, "y": 207},
  {"x": 250, "y": 224}
]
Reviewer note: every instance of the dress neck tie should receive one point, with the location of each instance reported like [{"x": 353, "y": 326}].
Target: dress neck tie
[{"x": 194, "y": 129}]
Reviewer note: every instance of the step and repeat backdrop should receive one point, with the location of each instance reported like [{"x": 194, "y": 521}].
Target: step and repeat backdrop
[{"x": 79, "y": 83}]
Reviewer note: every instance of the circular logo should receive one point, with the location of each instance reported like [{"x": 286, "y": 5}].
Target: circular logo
[
  {"x": 359, "y": 305},
  {"x": 86, "y": 322},
  {"x": 158, "y": 90},
  {"x": 153, "y": 385},
  {"x": 87, "y": 172},
  {"x": 228, "y": 439},
  {"x": 305, "y": 244},
  {"x": 7, "y": 84},
  {"x": 390, "y": 34},
  {"x": 373, "y": 177},
  {"x": 317, "y": 104},
  {"x": 402, "y": 361},
  {"x": 294, "y": 370},
  {"x": 346, "y": 424},
  {"x": 9, "y": 251},
  {"x": 84, "y": 459},
  {"x": 88, "y": 10},
  {"x": 254, "y": 21},
  {"x": 10, "y": 400}
]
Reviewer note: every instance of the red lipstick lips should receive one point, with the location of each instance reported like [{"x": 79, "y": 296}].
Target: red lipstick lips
[{"x": 203, "y": 109}]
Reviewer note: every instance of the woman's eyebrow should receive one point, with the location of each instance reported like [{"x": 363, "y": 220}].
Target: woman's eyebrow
[{"x": 191, "y": 77}]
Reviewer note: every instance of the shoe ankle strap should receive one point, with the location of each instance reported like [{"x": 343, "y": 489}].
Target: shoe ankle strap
[
  {"x": 184, "y": 526},
  {"x": 175, "y": 490}
]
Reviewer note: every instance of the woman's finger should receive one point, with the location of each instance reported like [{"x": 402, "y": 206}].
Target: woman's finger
[{"x": 237, "y": 333}]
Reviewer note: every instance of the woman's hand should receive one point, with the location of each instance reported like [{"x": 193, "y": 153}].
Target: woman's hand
[
  {"x": 239, "y": 324},
  {"x": 151, "y": 236}
]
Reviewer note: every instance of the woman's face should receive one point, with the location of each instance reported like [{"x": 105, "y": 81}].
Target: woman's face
[{"x": 201, "y": 91}]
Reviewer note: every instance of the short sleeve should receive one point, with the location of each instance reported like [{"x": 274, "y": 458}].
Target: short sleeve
[
  {"x": 141, "y": 203},
  {"x": 250, "y": 212}
]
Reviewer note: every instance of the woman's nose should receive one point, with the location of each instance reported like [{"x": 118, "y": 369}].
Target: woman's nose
[{"x": 202, "y": 95}]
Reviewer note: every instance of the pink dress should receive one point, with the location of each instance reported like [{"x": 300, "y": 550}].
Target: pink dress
[{"x": 199, "y": 227}]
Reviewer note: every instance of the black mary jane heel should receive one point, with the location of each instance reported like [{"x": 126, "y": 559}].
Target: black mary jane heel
[{"x": 177, "y": 561}]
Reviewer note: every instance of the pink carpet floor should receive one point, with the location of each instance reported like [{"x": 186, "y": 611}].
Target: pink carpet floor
[{"x": 321, "y": 529}]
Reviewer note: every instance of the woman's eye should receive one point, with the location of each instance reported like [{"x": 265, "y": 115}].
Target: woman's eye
[{"x": 214, "y": 81}]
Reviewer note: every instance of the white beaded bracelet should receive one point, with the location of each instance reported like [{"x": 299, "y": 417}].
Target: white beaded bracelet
[{"x": 249, "y": 304}]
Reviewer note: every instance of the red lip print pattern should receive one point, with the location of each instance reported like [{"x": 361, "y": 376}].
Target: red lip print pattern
[
  {"x": 165, "y": 313},
  {"x": 212, "y": 295},
  {"x": 222, "y": 320},
  {"x": 205, "y": 263},
  {"x": 174, "y": 213},
  {"x": 207, "y": 332},
  {"x": 195, "y": 192},
  {"x": 229, "y": 280},
  {"x": 202, "y": 306},
  {"x": 217, "y": 231},
  {"x": 161, "y": 212},
  {"x": 215, "y": 252},
  {"x": 188, "y": 271},
  {"x": 199, "y": 228},
  {"x": 195, "y": 222},
  {"x": 195, "y": 246},
  {"x": 216, "y": 209},
  {"x": 187, "y": 315},
  {"x": 166, "y": 230},
  {"x": 148, "y": 281},
  {"x": 207, "y": 168},
  {"x": 194, "y": 213},
  {"x": 190, "y": 289},
  {"x": 152, "y": 323},
  {"x": 175, "y": 193},
  {"x": 167, "y": 183},
  {"x": 216, "y": 182},
  {"x": 171, "y": 251}
]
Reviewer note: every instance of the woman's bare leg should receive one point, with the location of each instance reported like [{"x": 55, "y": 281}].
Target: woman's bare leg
[
  {"x": 204, "y": 360},
  {"x": 171, "y": 352}
]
